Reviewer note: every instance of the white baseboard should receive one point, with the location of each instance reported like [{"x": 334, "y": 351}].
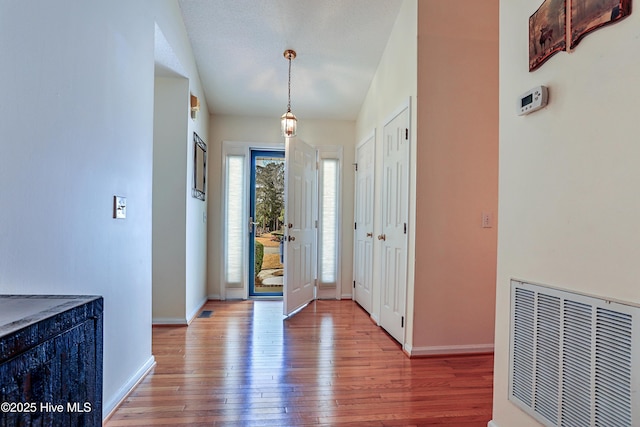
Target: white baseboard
[
  {"x": 235, "y": 293},
  {"x": 195, "y": 312},
  {"x": 492, "y": 424},
  {"x": 347, "y": 296},
  {"x": 326, "y": 293},
  {"x": 440, "y": 350},
  {"x": 375, "y": 318},
  {"x": 215, "y": 297},
  {"x": 407, "y": 349},
  {"x": 109, "y": 407},
  {"x": 179, "y": 320},
  {"x": 169, "y": 321}
]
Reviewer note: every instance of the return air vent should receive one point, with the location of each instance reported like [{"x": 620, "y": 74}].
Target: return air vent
[{"x": 573, "y": 359}]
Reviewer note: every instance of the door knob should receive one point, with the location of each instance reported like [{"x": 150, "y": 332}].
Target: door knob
[
  {"x": 292, "y": 238},
  {"x": 382, "y": 237},
  {"x": 290, "y": 225},
  {"x": 369, "y": 234}
]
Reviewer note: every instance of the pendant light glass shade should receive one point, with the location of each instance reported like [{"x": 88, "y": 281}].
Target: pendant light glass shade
[
  {"x": 289, "y": 124},
  {"x": 288, "y": 120}
]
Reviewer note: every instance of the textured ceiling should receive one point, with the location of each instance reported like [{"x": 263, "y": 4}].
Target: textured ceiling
[{"x": 239, "y": 45}]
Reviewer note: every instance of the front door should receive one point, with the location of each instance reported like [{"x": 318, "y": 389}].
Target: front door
[
  {"x": 363, "y": 248},
  {"x": 301, "y": 220},
  {"x": 395, "y": 215},
  {"x": 266, "y": 223}
]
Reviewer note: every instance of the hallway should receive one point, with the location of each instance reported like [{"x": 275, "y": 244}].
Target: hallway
[{"x": 327, "y": 365}]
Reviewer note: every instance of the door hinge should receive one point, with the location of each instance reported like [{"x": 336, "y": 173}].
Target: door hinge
[
  {"x": 356, "y": 165},
  {"x": 354, "y": 284},
  {"x": 405, "y": 228},
  {"x": 406, "y": 133},
  {"x": 355, "y": 225},
  {"x": 316, "y": 223},
  {"x": 402, "y": 322}
]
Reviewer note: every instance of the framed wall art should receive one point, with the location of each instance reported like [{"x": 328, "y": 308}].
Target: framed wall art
[
  {"x": 551, "y": 32},
  {"x": 199, "y": 167},
  {"x": 547, "y": 32},
  {"x": 589, "y": 15}
]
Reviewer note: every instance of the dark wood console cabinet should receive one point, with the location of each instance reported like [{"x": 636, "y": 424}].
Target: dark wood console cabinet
[{"x": 50, "y": 361}]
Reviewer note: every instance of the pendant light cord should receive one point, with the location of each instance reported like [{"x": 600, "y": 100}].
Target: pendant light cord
[{"x": 289, "y": 88}]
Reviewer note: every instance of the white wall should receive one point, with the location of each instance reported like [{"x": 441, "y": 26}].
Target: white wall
[
  {"x": 267, "y": 130},
  {"x": 179, "y": 232},
  {"x": 196, "y": 219},
  {"x": 169, "y": 200},
  {"x": 179, "y": 220},
  {"x": 76, "y": 129},
  {"x": 568, "y": 174},
  {"x": 394, "y": 83},
  {"x": 196, "y": 228}
]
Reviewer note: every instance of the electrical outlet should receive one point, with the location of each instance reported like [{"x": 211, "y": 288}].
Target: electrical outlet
[{"x": 487, "y": 220}]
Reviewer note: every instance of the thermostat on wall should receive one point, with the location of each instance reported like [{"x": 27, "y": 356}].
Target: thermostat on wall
[{"x": 533, "y": 100}]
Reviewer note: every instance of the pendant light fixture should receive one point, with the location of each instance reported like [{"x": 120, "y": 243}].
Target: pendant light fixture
[{"x": 289, "y": 121}]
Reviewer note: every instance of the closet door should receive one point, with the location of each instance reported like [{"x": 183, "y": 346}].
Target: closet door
[
  {"x": 363, "y": 239},
  {"x": 395, "y": 216}
]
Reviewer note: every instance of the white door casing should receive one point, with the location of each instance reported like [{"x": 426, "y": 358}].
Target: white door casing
[
  {"x": 300, "y": 219},
  {"x": 329, "y": 269},
  {"x": 235, "y": 218},
  {"x": 363, "y": 213},
  {"x": 395, "y": 217}
]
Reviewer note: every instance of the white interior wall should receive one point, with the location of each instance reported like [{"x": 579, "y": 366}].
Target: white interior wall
[
  {"x": 568, "y": 175},
  {"x": 196, "y": 230},
  {"x": 77, "y": 129},
  {"x": 267, "y": 130},
  {"x": 169, "y": 202},
  {"x": 394, "y": 83},
  {"x": 179, "y": 240}
]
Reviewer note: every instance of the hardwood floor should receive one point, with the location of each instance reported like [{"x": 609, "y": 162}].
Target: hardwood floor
[{"x": 328, "y": 365}]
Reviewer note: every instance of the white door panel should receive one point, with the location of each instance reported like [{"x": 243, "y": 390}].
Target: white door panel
[
  {"x": 363, "y": 267},
  {"x": 300, "y": 217},
  {"x": 394, "y": 237}
]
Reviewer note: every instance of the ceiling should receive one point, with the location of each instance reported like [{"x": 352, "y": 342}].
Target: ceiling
[{"x": 239, "y": 44}]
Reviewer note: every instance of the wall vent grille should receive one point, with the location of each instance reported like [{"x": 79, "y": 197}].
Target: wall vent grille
[{"x": 573, "y": 359}]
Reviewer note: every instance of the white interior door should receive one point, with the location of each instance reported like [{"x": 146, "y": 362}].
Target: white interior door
[
  {"x": 300, "y": 219},
  {"x": 363, "y": 246},
  {"x": 395, "y": 207}
]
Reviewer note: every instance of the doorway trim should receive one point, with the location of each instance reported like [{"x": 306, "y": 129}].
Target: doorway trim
[
  {"x": 253, "y": 153},
  {"x": 400, "y": 334},
  {"x": 331, "y": 290},
  {"x": 358, "y": 255},
  {"x": 240, "y": 289}
]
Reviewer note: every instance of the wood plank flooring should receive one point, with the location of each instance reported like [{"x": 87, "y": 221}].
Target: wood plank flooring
[{"x": 329, "y": 365}]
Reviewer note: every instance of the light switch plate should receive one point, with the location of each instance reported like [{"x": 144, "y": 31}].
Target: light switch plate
[{"x": 119, "y": 207}]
